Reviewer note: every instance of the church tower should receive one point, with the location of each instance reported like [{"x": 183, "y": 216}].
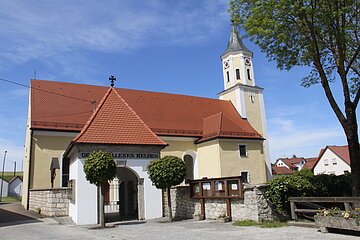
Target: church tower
[
  {"x": 239, "y": 83},
  {"x": 240, "y": 87}
]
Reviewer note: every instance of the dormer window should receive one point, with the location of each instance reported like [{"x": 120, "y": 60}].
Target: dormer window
[{"x": 237, "y": 74}]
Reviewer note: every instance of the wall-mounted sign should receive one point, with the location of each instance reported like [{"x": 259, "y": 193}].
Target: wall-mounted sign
[{"x": 117, "y": 155}]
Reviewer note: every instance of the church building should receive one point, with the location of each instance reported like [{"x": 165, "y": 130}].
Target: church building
[{"x": 215, "y": 137}]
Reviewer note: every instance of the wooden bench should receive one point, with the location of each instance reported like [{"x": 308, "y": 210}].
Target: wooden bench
[{"x": 313, "y": 204}]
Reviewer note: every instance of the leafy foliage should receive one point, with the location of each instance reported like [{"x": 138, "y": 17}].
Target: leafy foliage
[
  {"x": 167, "y": 172},
  {"x": 99, "y": 168},
  {"x": 321, "y": 34},
  {"x": 305, "y": 184}
]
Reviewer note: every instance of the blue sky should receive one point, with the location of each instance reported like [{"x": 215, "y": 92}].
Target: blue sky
[{"x": 159, "y": 45}]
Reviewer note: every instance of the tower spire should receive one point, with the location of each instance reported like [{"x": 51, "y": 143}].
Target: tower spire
[{"x": 235, "y": 43}]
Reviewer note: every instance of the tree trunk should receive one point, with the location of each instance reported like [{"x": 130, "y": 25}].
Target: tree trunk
[
  {"x": 101, "y": 206},
  {"x": 352, "y": 138},
  {"x": 169, "y": 204}
]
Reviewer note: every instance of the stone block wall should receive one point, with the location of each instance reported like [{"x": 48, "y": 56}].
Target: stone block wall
[
  {"x": 50, "y": 202},
  {"x": 254, "y": 206}
]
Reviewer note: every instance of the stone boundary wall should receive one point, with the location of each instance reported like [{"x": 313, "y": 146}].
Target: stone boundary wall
[
  {"x": 51, "y": 202},
  {"x": 254, "y": 206}
]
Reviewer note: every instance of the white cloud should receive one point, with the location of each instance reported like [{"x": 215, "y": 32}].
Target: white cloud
[
  {"x": 43, "y": 29},
  {"x": 305, "y": 142}
]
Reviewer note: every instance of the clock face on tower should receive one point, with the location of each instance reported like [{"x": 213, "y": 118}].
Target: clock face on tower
[
  {"x": 247, "y": 62},
  {"x": 226, "y": 64}
]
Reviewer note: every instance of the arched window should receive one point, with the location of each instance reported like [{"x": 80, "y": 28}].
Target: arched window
[
  {"x": 237, "y": 74},
  {"x": 227, "y": 76},
  {"x": 248, "y": 74},
  {"x": 189, "y": 163}
]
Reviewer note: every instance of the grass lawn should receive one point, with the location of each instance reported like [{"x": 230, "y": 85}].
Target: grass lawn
[
  {"x": 9, "y": 175},
  {"x": 264, "y": 224}
]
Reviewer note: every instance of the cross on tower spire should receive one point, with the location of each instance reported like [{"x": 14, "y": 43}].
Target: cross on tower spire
[{"x": 112, "y": 79}]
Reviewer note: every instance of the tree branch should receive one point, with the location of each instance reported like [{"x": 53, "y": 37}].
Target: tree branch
[
  {"x": 354, "y": 57},
  {"x": 356, "y": 99}
]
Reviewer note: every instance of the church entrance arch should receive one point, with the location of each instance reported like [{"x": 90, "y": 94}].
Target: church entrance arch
[{"x": 123, "y": 196}]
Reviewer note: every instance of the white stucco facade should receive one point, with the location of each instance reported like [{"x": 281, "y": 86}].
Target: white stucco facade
[
  {"x": 84, "y": 210},
  {"x": 330, "y": 163}
]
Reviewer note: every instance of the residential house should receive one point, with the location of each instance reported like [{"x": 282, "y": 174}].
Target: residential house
[{"x": 333, "y": 160}]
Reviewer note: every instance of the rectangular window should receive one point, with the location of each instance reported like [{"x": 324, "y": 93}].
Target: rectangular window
[
  {"x": 243, "y": 150},
  {"x": 244, "y": 177},
  {"x": 334, "y": 162},
  {"x": 228, "y": 76},
  {"x": 248, "y": 73},
  {"x": 65, "y": 172},
  {"x": 237, "y": 74},
  {"x": 326, "y": 162}
]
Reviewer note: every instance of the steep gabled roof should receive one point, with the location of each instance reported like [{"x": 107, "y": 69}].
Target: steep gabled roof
[
  {"x": 67, "y": 107},
  {"x": 114, "y": 122}
]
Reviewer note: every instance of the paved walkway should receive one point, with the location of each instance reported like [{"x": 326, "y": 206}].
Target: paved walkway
[
  {"x": 14, "y": 214},
  {"x": 48, "y": 228}
]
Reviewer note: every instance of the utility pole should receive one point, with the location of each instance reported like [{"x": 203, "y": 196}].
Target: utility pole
[{"x": 2, "y": 176}]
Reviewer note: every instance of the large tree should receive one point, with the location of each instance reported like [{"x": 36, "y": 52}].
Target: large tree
[
  {"x": 100, "y": 168},
  {"x": 321, "y": 34},
  {"x": 167, "y": 172}
]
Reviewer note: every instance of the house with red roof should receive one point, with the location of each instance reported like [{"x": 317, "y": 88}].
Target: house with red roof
[
  {"x": 333, "y": 160},
  {"x": 215, "y": 137},
  {"x": 294, "y": 163}
]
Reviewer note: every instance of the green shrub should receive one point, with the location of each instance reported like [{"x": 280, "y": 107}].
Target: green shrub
[{"x": 305, "y": 184}]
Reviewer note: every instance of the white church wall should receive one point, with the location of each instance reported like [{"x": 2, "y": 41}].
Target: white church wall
[{"x": 84, "y": 209}]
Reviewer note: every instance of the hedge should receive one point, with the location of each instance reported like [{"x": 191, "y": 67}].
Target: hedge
[{"x": 305, "y": 184}]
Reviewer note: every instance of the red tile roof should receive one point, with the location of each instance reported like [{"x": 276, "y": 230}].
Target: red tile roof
[
  {"x": 341, "y": 151},
  {"x": 114, "y": 122},
  {"x": 310, "y": 163},
  {"x": 219, "y": 125},
  {"x": 282, "y": 170},
  {"x": 290, "y": 162},
  {"x": 165, "y": 114}
]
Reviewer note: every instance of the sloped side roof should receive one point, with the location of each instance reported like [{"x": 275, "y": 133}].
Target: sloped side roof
[
  {"x": 310, "y": 163},
  {"x": 219, "y": 125},
  {"x": 114, "y": 122},
  {"x": 165, "y": 114},
  {"x": 281, "y": 170}
]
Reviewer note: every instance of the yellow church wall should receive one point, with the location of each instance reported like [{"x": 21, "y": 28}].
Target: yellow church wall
[
  {"x": 177, "y": 147},
  {"x": 232, "y": 164},
  {"x": 43, "y": 150},
  {"x": 208, "y": 157},
  {"x": 253, "y": 111},
  {"x": 230, "y": 96}
]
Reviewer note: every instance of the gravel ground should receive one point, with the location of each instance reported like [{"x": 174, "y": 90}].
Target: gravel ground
[{"x": 48, "y": 228}]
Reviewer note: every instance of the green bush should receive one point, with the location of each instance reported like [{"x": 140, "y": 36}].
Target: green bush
[{"x": 305, "y": 184}]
